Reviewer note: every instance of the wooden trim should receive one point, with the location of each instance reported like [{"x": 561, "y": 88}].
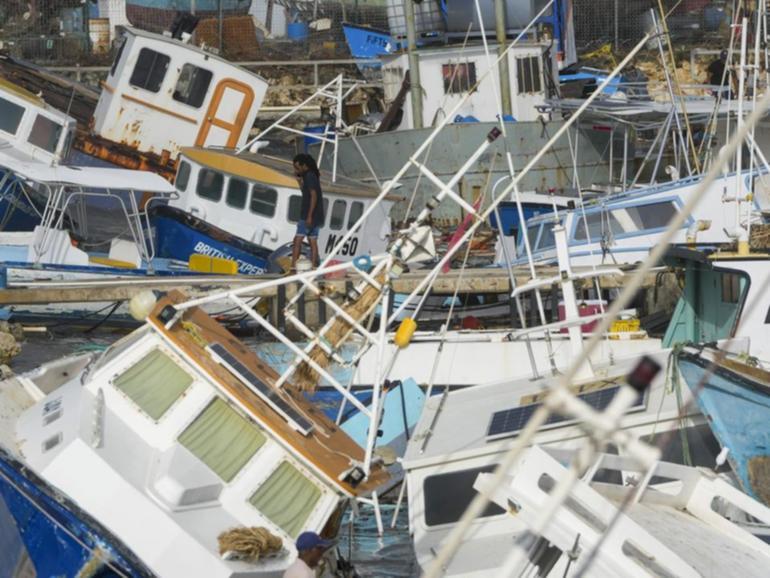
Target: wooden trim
[
  {"x": 106, "y": 87},
  {"x": 159, "y": 108},
  {"x": 240, "y": 119}
]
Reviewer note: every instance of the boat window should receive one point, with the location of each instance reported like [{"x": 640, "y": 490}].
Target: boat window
[
  {"x": 356, "y": 210},
  {"x": 448, "y": 495},
  {"x": 547, "y": 239},
  {"x": 154, "y": 383},
  {"x": 45, "y": 133},
  {"x": 600, "y": 225},
  {"x": 10, "y": 116},
  {"x": 263, "y": 200},
  {"x": 287, "y": 498},
  {"x": 182, "y": 176},
  {"x": 626, "y": 220},
  {"x": 222, "y": 439},
  {"x": 118, "y": 56},
  {"x": 150, "y": 70},
  {"x": 295, "y": 208},
  {"x": 731, "y": 287},
  {"x": 458, "y": 78},
  {"x": 528, "y": 74},
  {"x": 237, "y": 191},
  {"x": 192, "y": 86},
  {"x": 337, "y": 220},
  {"x": 210, "y": 184}
]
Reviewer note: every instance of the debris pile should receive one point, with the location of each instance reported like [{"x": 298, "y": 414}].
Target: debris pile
[{"x": 10, "y": 336}]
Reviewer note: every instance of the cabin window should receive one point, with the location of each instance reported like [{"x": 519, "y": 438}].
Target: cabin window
[
  {"x": 154, "y": 383},
  {"x": 210, "y": 184},
  {"x": 118, "y": 57},
  {"x": 356, "y": 210},
  {"x": 287, "y": 498},
  {"x": 731, "y": 287},
  {"x": 182, "y": 176},
  {"x": 192, "y": 86},
  {"x": 222, "y": 439},
  {"x": 626, "y": 220},
  {"x": 337, "y": 220},
  {"x": 150, "y": 69},
  {"x": 295, "y": 208},
  {"x": 458, "y": 78},
  {"x": 547, "y": 239},
  {"x": 528, "y": 74},
  {"x": 448, "y": 495},
  {"x": 237, "y": 191},
  {"x": 45, "y": 133},
  {"x": 263, "y": 200},
  {"x": 10, "y": 116}
]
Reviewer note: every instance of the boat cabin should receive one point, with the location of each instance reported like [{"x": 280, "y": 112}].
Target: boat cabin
[
  {"x": 623, "y": 227},
  {"x": 162, "y": 94},
  {"x": 183, "y": 436},
  {"x": 257, "y": 198},
  {"x": 32, "y": 128},
  {"x": 446, "y": 73}
]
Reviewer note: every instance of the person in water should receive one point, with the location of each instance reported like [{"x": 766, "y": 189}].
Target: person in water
[{"x": 312, "y": 210}]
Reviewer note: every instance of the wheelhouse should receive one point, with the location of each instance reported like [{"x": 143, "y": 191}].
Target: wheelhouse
[
  {"x": 32, "y": 127},
  {"x": 162, "y": 94},
  {"x": 257, "y": 198}
]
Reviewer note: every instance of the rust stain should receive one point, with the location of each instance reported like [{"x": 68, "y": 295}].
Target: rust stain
[{"x": 759, "y": 477}]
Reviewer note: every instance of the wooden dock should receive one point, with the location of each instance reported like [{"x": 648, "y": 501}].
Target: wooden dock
[{"x": 487, "y": 280}]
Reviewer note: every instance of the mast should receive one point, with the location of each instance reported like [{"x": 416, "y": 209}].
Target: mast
[
  {"x": 505, "y": 75},
  {"x": 414, "y": 65}
]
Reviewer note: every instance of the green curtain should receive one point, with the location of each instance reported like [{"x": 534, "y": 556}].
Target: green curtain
[
  {"x": 287, "y": 498},
  {"x": 154, "y": 383},
  {"x": 222, "y": 439}
]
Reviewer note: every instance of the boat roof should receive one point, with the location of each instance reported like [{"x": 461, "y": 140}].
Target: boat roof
[
  {"x": 16, "y": 90},
  {"x": 187, "y": 46},
  {"x": 87, "y": 177},
  {"x": 274, "y": 171},
  {"x": 327, "y": 447}
]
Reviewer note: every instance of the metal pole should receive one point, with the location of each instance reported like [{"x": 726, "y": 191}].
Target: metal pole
[
  {"x": 414, "y": 65},
  {"x": 220, "y": 27},
  {"x": 505, "y": 75},
  {"x": 617, "y": 24}
]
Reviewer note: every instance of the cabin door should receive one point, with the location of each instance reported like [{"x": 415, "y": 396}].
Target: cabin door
[{"x": 226, "y": 115}]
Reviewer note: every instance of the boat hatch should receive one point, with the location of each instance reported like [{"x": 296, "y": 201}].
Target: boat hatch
[
  {"x": 287, "y": 498},
  {"x": 508, "y": 422},
  {"x": 269, "y": 395}
]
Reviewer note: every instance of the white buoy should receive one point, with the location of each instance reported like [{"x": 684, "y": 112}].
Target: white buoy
[{"x": 142, "y": 304}]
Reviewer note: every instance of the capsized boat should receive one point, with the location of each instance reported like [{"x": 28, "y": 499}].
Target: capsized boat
[
  {"x": 245, "y": 206},
  {"x": 145, "y": 459}
]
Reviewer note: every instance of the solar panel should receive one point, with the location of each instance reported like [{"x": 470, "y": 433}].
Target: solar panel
[
  {"x": 510, "y": 421},
  {"x": 268, "y": 394}
]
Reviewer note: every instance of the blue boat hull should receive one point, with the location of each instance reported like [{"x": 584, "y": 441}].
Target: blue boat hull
[
  {"x": 368, "y": 43},
  {"x": 738, "y": 411},
  {"x": 60, "y": 539},
  {"x": 179, "y": 235}
]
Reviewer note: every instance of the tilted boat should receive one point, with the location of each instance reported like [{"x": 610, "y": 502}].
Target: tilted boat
[{"x": 142, "y": 460}]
